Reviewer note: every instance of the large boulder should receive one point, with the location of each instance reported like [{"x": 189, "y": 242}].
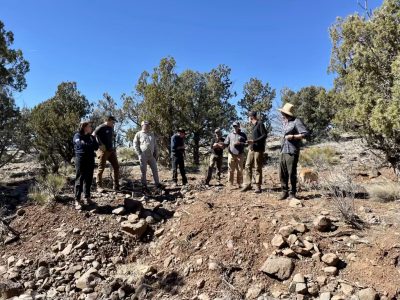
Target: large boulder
[{"x": 279, "y": 267}]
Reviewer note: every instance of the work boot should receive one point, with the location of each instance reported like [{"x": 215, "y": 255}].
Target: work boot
[
  {"x": 283, "y": 196},
  {"x": 246, "y": 188}
]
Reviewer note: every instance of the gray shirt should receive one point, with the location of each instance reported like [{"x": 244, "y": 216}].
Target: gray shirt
[
  {"x": 232, "y": 139},
  {"x": 145, "y": 144},
  {"x": 294, "y": 126}
]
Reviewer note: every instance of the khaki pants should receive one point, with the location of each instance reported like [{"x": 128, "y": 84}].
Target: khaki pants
[
  {"x": 254, "y": 160},
  {"x": 215, "y": 160},
  {"x": 104, "y": 156},
  {"x": 235, "y": 163},
  {"x": 151, "y": 161}
]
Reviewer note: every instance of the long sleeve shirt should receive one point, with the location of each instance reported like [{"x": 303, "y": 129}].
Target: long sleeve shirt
[
  {"x": 85, "y": 145},
  {"x": 292, "y": 127},
  {"x": 177, "y": 145},
  {"x": 145, "y": 144},
  {"x": 259, "y": 136}
]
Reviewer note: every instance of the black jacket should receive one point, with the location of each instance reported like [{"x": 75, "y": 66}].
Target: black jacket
[{"x": 259, "y": 136}]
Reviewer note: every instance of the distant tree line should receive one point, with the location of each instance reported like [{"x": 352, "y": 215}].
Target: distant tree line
[{"x": 365, "y": 98}]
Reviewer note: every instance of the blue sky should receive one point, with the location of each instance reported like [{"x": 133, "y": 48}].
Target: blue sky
[{"x": 105, "y": 45}]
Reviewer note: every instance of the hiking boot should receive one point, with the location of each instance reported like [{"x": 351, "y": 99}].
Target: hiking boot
[
  {"x": 292, "y": 196},
  {"x": 246, "y": 188},
  {"x": 283, "y": 196},
  {"x": 258, "y": 190},
  {"x": 116, "y": 188}
]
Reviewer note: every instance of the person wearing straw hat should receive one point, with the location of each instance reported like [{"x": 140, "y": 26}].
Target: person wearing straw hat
[
  {"x": 217, "y": 155},
  {"x": 236, "y": 142},
  {"x": 294, "y": 131},
  {"x": 85, "y": 146},
  {"x": 146, "y": 148}
]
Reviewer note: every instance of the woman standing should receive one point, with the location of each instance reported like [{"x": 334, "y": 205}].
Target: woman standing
[{"x": 85, "y": 146}]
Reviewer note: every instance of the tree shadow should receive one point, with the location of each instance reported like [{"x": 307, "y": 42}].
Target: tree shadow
[{"x": 13, "y": 195}]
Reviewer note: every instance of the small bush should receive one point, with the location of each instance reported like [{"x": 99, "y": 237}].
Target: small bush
[
  {"x": 384, "y": 192},
  {"x": 127, "y": 154},
  {"x": 318, "y": 157},
  {"x": 47, "y": 189},
  {"x": 341, "y": 188}
]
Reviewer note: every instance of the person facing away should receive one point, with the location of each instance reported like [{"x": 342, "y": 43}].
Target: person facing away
[
  {"x": 216, "y": 157},
  {"x": 178, "y": 156},
  {"x": 235, "y": 141},
  {"x": 146, "y": 148},
  {"x": 85, "y": 146},
  {"x": 255, "y": 156},
  {"x": 105, "y": 136},
  {"x": 294, "y": 131}
]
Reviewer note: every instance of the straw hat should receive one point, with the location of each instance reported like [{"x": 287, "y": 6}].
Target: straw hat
[{"x": 287, "y": 109}]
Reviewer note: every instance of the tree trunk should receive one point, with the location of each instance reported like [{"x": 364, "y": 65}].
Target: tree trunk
[{"x": 196, "y": 152}]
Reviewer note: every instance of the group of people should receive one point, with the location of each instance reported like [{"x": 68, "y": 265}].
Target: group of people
[{"x": 87, "y": 142}]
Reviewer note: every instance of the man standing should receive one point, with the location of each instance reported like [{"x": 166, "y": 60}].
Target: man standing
[
  {"x": 235, "y": 141},
  {"x": 217, "y": 152},
  {"x": 178, "y": 155},
  {"x": 146, "y": 148},
  {"x": 294, "y": 132},
  {"x": 106, "y": 138},
  {"x": 255, "y": 156}
]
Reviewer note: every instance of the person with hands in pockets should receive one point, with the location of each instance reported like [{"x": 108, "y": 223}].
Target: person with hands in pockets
[{"x": 146, "y": 148}]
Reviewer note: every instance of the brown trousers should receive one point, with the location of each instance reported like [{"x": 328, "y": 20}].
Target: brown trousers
[
  {"x": 235, "y": 163},
  {"x": 254, "y": 160},
  {"x": 104, "y": 156}
]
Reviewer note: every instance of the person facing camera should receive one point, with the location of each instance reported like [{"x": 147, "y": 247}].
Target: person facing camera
[{"x": 85, "y": 146}]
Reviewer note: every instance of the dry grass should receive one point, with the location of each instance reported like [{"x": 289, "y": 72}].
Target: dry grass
[
  {"x": 341, "y": 188},
  {"x": 47, "y": 189},
  {"x": 384, "y": 192},
  {"x": 319, "y": 157}
]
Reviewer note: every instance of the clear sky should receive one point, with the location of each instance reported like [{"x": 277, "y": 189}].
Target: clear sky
[{"x": 105, "y": 45}]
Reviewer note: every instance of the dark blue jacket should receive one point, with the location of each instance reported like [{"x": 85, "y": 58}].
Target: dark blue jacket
[
  {"x": 177, "y": 141},
  {"x": 85, "y": 145}
]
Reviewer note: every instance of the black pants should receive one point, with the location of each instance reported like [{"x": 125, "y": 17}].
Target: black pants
[
  {"x": 178, "y": 162},
  {"x": 288, "y": 171},
  {"x": 84, "y": 176}
]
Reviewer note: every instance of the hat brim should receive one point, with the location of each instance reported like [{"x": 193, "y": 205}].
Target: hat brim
[{"x": 286, "y": 112}]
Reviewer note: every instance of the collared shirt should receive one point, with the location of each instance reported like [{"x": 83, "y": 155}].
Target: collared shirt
[
  {"x": 145, "y": 143},
  {"x": 292, "y": 127},
  {"x": 232, "y": 139}
]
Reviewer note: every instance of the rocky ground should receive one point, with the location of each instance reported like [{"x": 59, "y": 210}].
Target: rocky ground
[{"x": 199, "y": 242}]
